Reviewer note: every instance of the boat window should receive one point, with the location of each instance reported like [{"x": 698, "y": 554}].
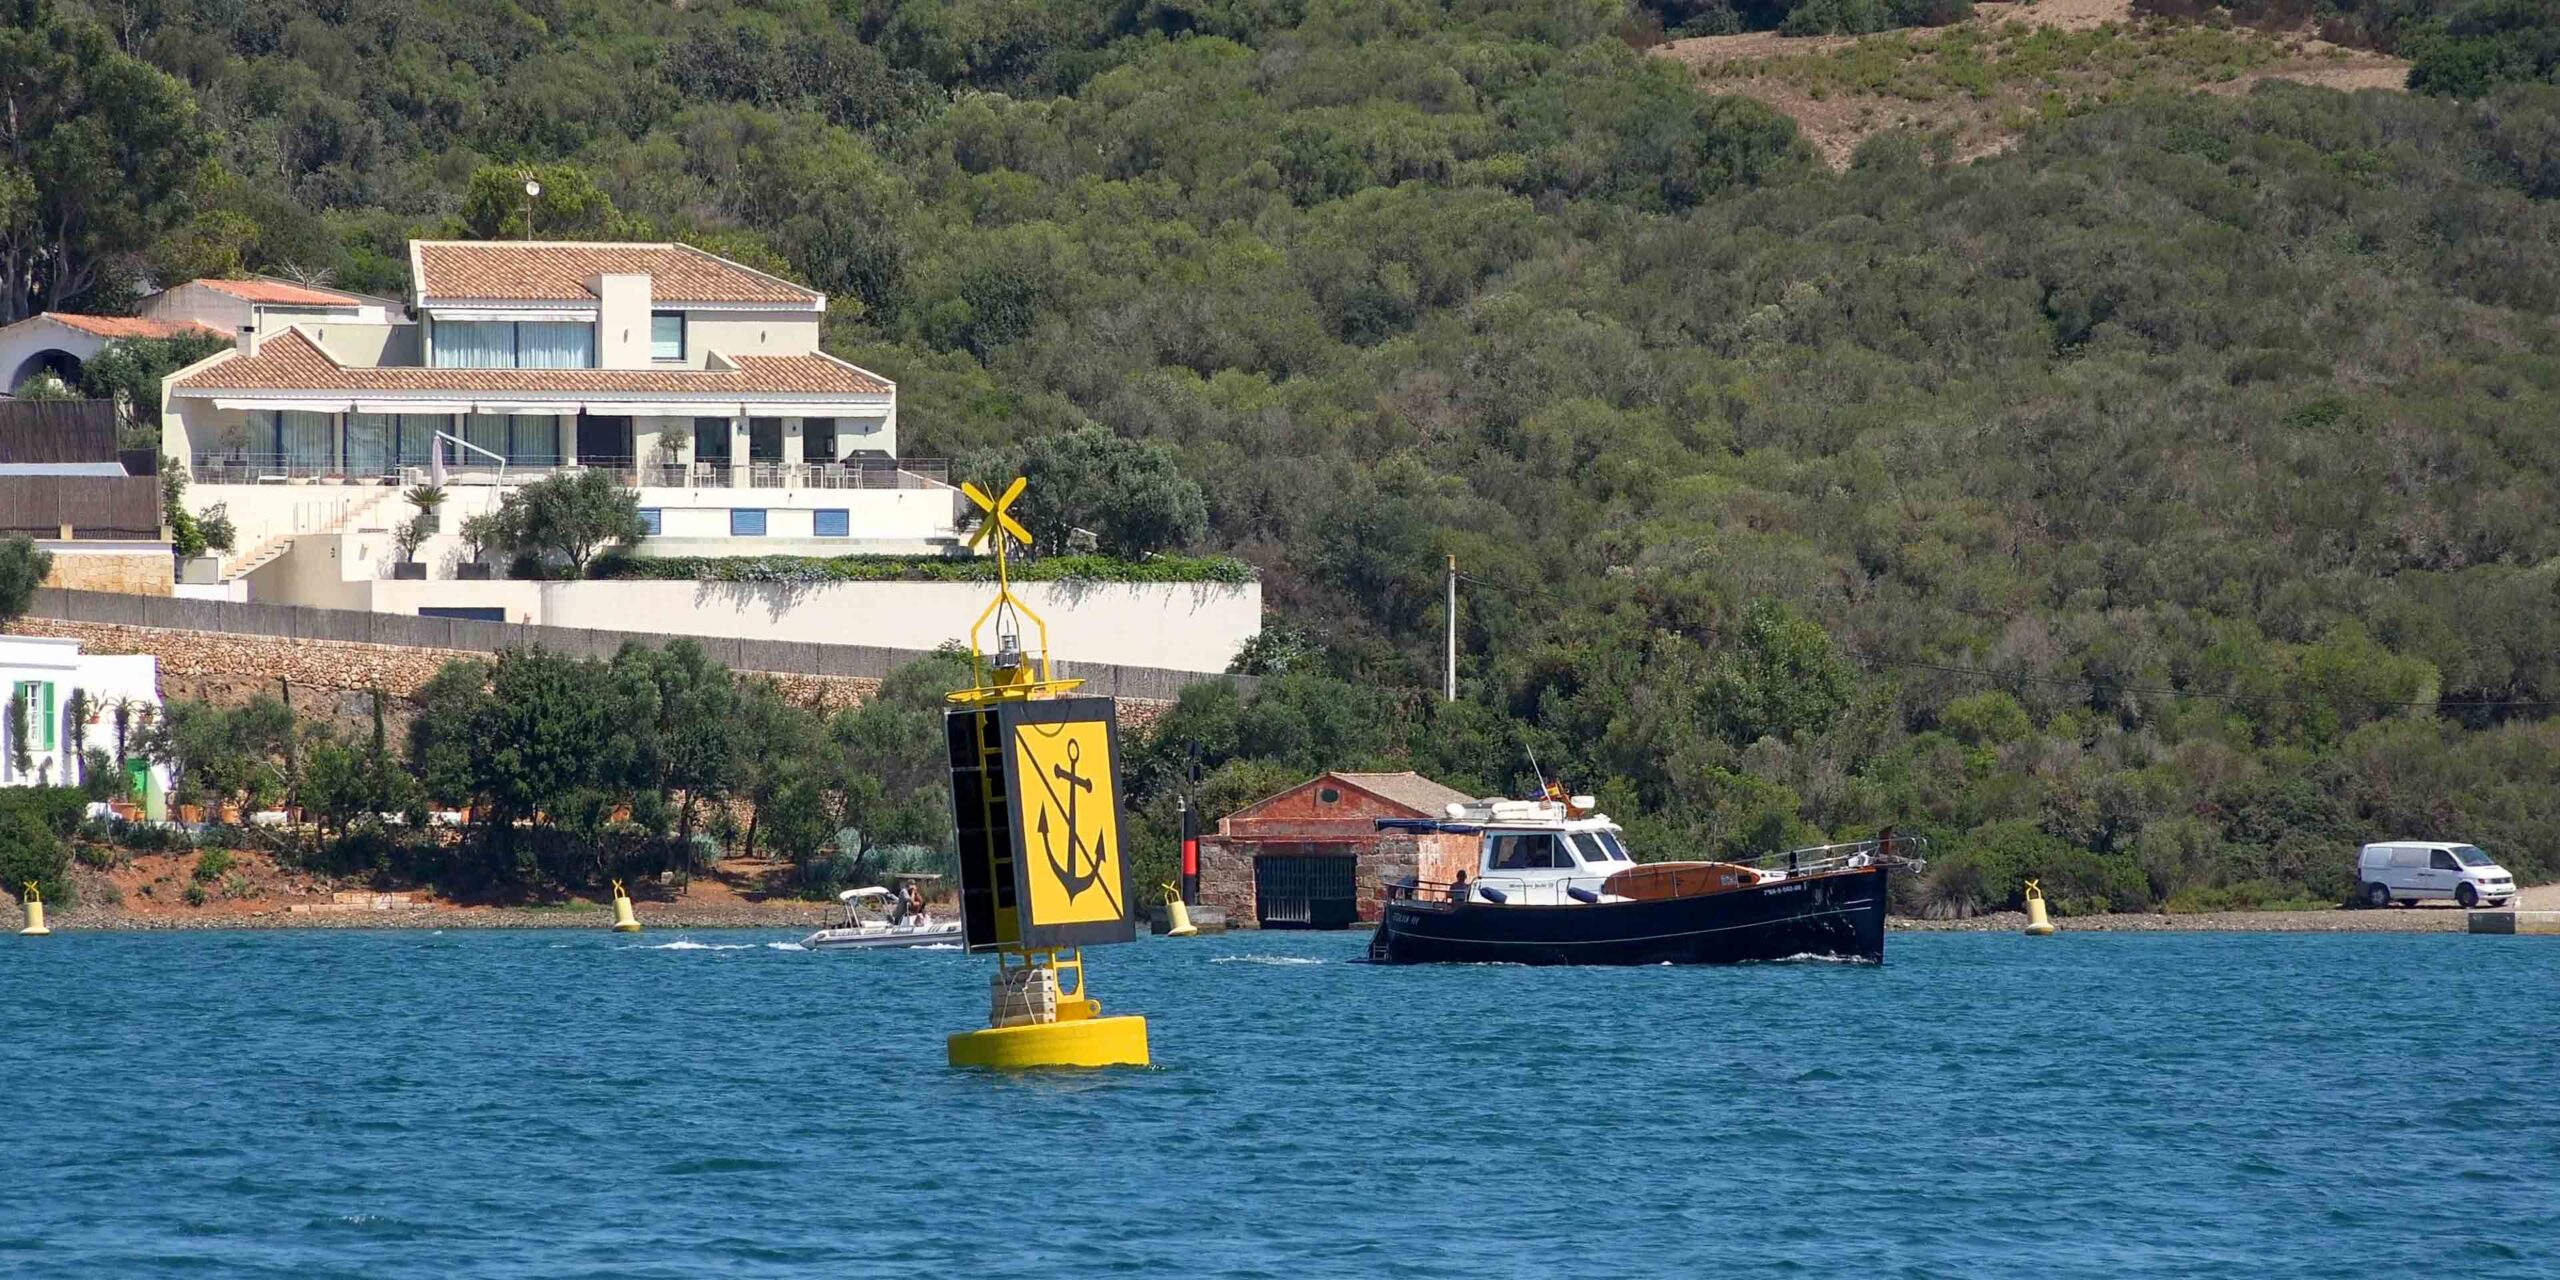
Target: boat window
[
  {"x": 2442, "y": 861},
  {"x": 1520, "y": 852},
  {"x": 1587, "y": 843},
  {"x": 1617, "y": 852}
]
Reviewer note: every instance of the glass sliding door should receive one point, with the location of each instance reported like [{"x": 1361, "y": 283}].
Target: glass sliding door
[
  {"x": 369, "y": 443},
  {"x": 545, "y": 344},
  {"x": 418, "y": 434},
  {"x": 475, "y": 344},
  {"x": 711, "y": 440},
  {"x": 533, "y": 440},
  {"x": 306, "y": 440},
  {"x": 487, "y": 433}
]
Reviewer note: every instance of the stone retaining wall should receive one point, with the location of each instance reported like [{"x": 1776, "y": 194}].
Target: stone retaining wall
[{"x": 334, "y": 679}]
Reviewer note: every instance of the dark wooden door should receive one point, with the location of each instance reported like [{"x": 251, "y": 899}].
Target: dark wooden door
[{"x": 1306, "y": 891}]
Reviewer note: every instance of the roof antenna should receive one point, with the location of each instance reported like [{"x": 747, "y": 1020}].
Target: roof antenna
[{"x": 1533, "y": 767}]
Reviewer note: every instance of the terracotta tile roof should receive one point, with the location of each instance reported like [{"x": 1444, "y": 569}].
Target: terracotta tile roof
[
  {"x": 497, "y": 270},
  {"x": 279, "y": 293},
  {"x": 1409, "y": 789},
  {"x": 291, "y": 362},
  {"x": 129, "y": 326}
]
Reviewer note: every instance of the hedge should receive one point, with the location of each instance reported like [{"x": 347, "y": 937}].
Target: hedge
[{"x": 919, "y": 569}]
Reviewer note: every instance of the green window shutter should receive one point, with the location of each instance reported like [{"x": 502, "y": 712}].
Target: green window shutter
[{"x": 50, "y": 728}]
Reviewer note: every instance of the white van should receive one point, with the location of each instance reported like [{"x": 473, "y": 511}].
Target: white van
[{"x": 2409, "y": 871}]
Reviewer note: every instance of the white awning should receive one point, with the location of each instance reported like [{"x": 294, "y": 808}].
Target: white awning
[
  {"x": 547, "y": 313},
  {"x": 412, "y": 406},
  {"x": 526, "y": 406},
  {"x": 767, "y": 409},
  {"x": 291, "y": 404},
  {"x": 665, "y": 409}
]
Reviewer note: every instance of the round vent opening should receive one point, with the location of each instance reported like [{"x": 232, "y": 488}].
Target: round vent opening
[{"x": 1327, "y": 795}]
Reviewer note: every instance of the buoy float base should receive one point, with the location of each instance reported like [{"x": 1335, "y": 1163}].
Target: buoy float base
[
  {"x": 1180, "y": 916},
  {"x": 2039, "y": 930},
  {"x": 1090, "y": 1042},
  {"x": 35, "y": 922}
]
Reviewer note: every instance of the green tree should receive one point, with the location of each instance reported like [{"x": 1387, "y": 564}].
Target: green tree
[
  {"x": 96, "y": 157},
  {"x": 572, "y": 515},
  {"x": 1130, "y": 495},
  {"x": 888, "y": 770},
  {"x": 571, "y": 206},
  {"x": 130, "y": 372},
  {"x": 23, "y": 568}
]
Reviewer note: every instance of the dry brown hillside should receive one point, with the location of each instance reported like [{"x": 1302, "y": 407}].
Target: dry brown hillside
[{"x": 1983, "y": 81}]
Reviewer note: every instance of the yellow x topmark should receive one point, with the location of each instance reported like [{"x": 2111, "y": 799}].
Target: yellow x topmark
[{"x": 997, "y": 516}]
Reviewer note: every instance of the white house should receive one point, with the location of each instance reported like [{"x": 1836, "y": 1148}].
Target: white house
[
  {"x": 61, "y": 342},
  {"x": 695, "y": 380},
  {"x": 42, "y": 675}
]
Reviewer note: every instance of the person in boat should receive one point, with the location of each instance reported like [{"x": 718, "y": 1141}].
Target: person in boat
[
  {"x": 914, "y": 903},
  {"x": 1458, "y": 889}
]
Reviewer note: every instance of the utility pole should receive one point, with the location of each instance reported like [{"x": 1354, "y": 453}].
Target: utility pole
[{"x": 1451, "y": 690}]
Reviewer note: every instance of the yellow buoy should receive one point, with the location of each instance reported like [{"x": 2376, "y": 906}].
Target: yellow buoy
[
  {"x": 1178, "y": 912},
  {"x": 2037, "y": 925},
  {"x": 623, "y": 920},
  {"x": 1090, "y": 1042},
  {"x": 35, "y": 913}
]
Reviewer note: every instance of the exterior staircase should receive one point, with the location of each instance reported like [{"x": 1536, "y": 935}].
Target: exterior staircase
[{"x": 268, "y": 551}]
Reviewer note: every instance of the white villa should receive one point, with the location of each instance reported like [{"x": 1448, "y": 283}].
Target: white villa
[
  {"x": 695, "y": 380},
  {"x": 42, "y": 674}
]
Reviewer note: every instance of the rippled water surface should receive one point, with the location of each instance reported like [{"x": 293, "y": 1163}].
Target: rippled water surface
[{"x": 580, "y": 1103}]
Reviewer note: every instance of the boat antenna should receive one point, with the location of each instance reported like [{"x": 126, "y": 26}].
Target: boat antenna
[{"x": 1525, "y": 745}]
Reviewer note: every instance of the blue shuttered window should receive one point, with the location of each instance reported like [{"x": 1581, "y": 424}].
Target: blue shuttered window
[
  {"x": 746, "y": 522},
  {"x": 833, "y": 523}
]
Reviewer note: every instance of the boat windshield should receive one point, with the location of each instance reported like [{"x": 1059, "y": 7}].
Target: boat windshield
[
  {"x": 1597, "y": 847},
  {"x": 2470, "y": 856}
]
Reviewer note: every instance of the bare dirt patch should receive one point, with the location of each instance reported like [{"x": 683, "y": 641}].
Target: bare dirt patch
[{"x": 1983, "y": 82}]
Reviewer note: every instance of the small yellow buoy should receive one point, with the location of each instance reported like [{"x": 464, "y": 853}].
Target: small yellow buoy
[
  {"x": 2037, "y": 925},
  {"x": 1178, "y": 912},
  {"x": 35, "y": 913},
  {"x": 623, "y": 920}
]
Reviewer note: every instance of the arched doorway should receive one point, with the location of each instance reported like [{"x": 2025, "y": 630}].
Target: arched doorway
[{"x": 61, "y": 364}]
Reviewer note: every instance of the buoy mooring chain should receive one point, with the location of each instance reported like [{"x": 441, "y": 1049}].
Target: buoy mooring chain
[
  {"x": 35, "y": 913},
  {"x": 623, "y": 920},
  {"x": 2037, "y": 925}
]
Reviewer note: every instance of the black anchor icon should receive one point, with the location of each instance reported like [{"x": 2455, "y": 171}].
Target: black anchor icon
[{"x": 1074, "y": 882}]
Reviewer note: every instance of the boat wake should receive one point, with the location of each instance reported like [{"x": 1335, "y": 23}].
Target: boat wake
[
  {"x": 937, "y": 946},
  {"x": 786, "y": 946},
  {"x": 1266, "y": 960},
  {"x": 687, "y": 944}
]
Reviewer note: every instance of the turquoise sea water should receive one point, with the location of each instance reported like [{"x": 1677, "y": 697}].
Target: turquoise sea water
[{"x": 716, "y": 1105}]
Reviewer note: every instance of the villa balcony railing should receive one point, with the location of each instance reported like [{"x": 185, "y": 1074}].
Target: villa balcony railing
[{"x": 856, "y": 473}]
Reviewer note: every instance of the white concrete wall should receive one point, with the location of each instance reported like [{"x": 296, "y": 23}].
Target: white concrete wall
[
  {"x": 622, "y": 321},
  {"x": 1179, "y": 626},
  {"x": 36, "y": 335},
  {"x": 748, "y": 333},
  {"x": 106, "y": 678}
]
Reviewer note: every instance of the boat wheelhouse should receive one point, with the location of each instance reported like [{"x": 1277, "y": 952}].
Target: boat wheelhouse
[{"x": 1552, "y": 882}]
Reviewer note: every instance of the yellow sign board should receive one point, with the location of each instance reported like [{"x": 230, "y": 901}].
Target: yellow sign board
[
  {"x": 1035, "y": 794},
  {"x": 1070, "y": 816}
]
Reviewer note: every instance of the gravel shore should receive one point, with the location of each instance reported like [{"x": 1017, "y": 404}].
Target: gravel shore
[
  {"x": 2397, "y": 920},
  {"x": 656, "y": 916}
]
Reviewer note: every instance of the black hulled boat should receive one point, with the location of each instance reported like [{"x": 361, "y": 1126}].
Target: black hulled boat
[{"x": 1549, "y": 882}]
